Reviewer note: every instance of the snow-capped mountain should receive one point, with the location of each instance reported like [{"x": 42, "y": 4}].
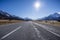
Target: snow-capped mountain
[
  {"x": 55, "y": 16},
  {"x": 27, "y": 19},
  {"x": 5, "y": 15}
]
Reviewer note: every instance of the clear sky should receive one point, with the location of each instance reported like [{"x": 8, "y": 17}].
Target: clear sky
[{"x": 24, "y": 8}]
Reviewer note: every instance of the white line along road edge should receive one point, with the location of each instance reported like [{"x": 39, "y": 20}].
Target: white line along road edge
[
  {"x": 46, "y": 29},
  {"x": 10, "y": 32},
  {"x": 37, "y": 31}
]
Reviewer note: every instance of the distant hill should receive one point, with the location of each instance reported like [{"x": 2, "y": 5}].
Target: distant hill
[
  {"x": 55, "y": 16},
  {"x": 5, "y": 15},
  {"x": 27, "y": 19}
]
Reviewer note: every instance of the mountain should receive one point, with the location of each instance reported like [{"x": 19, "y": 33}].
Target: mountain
[
  {"x": 55, "y": 16},
  {"x": 5, "y": 15},
  {"x": 27, "y": 19}
]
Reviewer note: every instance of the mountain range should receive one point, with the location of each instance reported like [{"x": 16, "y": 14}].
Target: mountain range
[
  {"x": 55, "y": 16},
  {"x": 5, "y": 15},
  {"x": 27, "y": 19}
]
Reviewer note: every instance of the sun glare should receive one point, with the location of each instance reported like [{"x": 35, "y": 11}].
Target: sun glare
[
  {"x": 37, "y": 5},
  {"x": 58, "y": 12}
]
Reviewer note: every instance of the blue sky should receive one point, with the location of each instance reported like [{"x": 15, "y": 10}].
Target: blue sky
[{"x": 24, "y": 8}]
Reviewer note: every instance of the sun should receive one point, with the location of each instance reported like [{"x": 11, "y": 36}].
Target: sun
[
  {"x": 37, "y": 5},
  {"x": 58, "y": 12}
]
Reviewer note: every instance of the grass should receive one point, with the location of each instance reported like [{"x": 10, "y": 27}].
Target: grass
[
  {"x": 9, "y": 22},
  {"x": 49, "y": 23}
]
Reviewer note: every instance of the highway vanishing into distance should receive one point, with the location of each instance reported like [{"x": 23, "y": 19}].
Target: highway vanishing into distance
[{"x": 29, "y": 31}]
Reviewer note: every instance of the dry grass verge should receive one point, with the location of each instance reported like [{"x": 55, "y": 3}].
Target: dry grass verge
[
  {"x": 9, "y": 22},
  {"x": 49, "y": 23}
]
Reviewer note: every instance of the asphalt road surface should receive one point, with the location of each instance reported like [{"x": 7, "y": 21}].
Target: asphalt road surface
[{"x": 29, "y": 31}]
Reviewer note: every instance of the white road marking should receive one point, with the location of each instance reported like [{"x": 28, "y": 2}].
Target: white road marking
[
  {"x": 38, "y": 32},
  {"x": 10, "y": 33},
  {"x": 47, "y": 29}
]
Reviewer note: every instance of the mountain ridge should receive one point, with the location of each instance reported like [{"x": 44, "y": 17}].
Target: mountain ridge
[
  {"x": 5, "y": 15},
  {"x": 55, "y": 16}
]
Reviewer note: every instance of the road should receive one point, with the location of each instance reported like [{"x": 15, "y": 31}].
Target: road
[{"x": 29, "y": 31}]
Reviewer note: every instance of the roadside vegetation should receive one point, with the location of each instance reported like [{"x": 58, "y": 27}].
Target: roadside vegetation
[
  {"x": 9, "y": 21},
  {"x": 54, "y": 23}
]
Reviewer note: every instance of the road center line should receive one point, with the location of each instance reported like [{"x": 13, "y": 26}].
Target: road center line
[
  {"x": 10, "y": 33},
  {"x": 47, "y": 29},
  {"x": 38, "y": 32}
]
